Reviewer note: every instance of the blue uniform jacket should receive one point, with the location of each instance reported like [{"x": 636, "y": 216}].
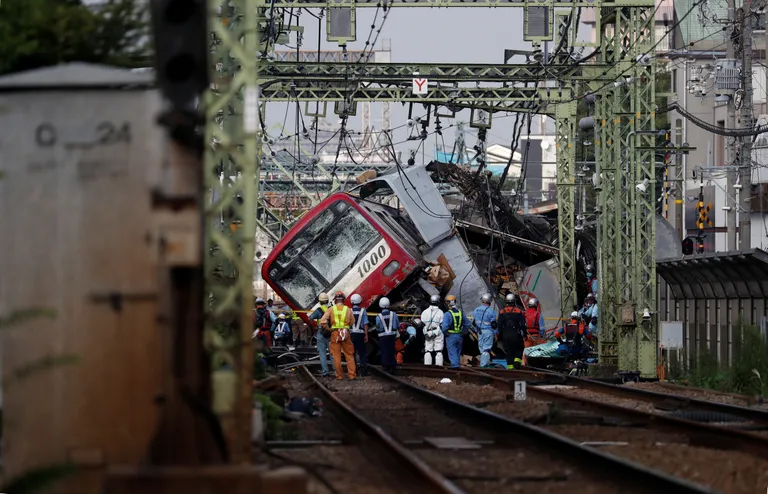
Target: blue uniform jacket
[
  {"x": 318, "y": 313},
  {"x": 483, "y": 317},
  {"x": 363, "y": 316},
  {"x": 395, "y": 322},
  {"x": 448, "y": 322}
]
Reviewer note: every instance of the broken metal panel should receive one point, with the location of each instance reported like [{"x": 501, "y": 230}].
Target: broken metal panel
[
  {"x": 419, "y": 197},
  {"x": 542, "y": 281},
  {"x": 469, "y": 284},
  {"x": 513, "y": 239}
]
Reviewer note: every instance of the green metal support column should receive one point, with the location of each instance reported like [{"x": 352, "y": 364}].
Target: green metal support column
[
  {"x": 233, "y": 151},
  {"x": 626, "y": 270},
  {"x": 644, "y": 168},
  {"x": 608, "y": 267},
  {"x": 565, "y": 114}
]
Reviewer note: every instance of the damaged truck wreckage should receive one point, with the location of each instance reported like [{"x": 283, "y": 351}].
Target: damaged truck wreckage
[{"x": 418, "y": 231}]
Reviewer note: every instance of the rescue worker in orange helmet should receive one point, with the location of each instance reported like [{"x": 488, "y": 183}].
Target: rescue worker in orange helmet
[
  {"x": 534, "y": 323},
  {"x": 339, "y": 319},
  {"x": 513, "y": 331}
]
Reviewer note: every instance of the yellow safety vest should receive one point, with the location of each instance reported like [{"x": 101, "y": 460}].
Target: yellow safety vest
[
  {"x": 295, "y": 315},
  {"x": 457, "y": 319},
  {"x": 339, "y": 317}
]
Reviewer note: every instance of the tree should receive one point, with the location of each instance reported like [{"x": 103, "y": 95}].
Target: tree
[{"x": 38, "y": 33}]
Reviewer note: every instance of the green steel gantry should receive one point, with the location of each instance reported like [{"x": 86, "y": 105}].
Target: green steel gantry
[
  {"x": 244, "y": 79},
  {"x": 625, "y": 111}
]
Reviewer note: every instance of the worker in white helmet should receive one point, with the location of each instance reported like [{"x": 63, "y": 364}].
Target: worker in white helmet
[
  {"x": 513, "y": 332},
  {"x": 534, "y": 323},
  {"x": 434, "y": 339},
  {"x": 571, "y": 336},
  {"x": 387, "y": 326},
  {"x": 484, "y": 322},
  {"x": 322, "y": 336},
  {"x": 282, "y": 331},
  {"x": 359, "y": 333}
]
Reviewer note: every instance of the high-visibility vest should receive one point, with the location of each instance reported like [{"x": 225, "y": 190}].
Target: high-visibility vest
[
  {"x": 457, "y": 318},
  {"x": 295, "y": 315},
  {"x": 339, "y": 317},
  {"x": 358, "y": 316}
]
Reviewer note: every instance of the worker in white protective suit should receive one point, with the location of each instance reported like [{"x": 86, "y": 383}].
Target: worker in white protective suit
[{"x": 434, "y": 339}]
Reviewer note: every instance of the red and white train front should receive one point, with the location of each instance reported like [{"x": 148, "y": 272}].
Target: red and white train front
[{"x": 342, "y": 244}]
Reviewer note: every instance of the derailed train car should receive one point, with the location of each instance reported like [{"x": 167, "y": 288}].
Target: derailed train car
[{"x": 395, "y": 236}]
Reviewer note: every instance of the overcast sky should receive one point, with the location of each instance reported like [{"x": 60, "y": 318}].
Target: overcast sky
[{"x": 459, "y": 35}]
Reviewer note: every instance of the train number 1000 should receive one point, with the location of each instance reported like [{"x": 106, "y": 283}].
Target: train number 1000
[{"x": 373, "y": 259}]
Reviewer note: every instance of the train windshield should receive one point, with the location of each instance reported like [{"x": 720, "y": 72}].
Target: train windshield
[{"x": 323, "y": 252}]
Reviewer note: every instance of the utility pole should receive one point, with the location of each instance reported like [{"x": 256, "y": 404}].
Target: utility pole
[
  {"x": 731, "y": 124},
  {"x": 747, "y": 122}
]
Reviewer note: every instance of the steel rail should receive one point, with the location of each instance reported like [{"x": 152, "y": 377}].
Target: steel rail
[
  {"x": 630, "y": 476},
  {"x": 698, "y": 433},
  {"x": 422, "y": 478},
  {"x": 664, "y": 400}
]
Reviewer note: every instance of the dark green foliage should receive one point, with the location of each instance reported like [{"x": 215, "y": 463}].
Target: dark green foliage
[
  {"x": 744, "y": 376},
  {"x": 39, "y": 33},
  {"x": 19, "y": 316},
  {"x": 272, "y": 415}
]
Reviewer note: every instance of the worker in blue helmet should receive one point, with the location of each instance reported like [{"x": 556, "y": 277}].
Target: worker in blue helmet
[{"x": 484, "y": 322}]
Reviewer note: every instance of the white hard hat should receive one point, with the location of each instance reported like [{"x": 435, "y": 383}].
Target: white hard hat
[
  {"x": 532, "y": 302},
  {"x": 434, "y": 299},
  {"x": 281, "y": 316},
  {"x": 590, "y": 295},
  {"x": 356, "y": 298},
  {"x": 486, "y": 298},
  {"x": 510, "y": 298},
  {"x": 574, "y": 314},
  {"x": 384, "y": 302},
  {"x": 323, "y": 297},
  {"x": 259, "y": 300}
]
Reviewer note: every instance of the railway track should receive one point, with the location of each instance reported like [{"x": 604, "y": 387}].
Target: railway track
[
  {"x": 617, "y": 410},
  {"x": 621, "y": 426},
  {"x": 679, "y": 403},
  {"x": 444, "y": 445}
]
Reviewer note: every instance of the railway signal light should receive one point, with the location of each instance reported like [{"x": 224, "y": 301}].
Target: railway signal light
[
  {"x": 181, "y": 49},
  {"x": 688, "y": 246}
]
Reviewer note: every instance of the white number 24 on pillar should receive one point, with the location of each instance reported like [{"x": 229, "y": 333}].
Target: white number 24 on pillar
[{"x": 520, "y": 390}]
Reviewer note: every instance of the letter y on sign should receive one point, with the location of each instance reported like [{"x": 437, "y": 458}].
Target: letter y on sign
[{"x": 420, "y": 86}]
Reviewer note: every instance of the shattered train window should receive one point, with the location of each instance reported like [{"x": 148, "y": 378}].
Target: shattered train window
[
  {"x": 301, "y": 285},
  {"x": 338, "y": 248},
  {"x": 303, "y": 239}
]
